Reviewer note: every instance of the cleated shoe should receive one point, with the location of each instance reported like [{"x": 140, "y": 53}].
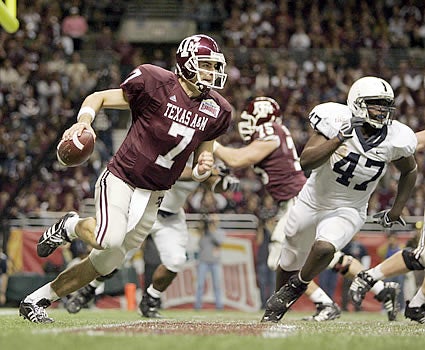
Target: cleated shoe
[
  {"x": 54, "y": 236},
  {"x": 416, "y": 314},
  {"x": 325, "y": 312},
  {"x": 280, "y": 302},
  {"x": 361, "y": 284},
  {"x": 149, "y": 306},
  {"x": 80, "y": 299},
  {"x": 35, "y": 312},
  {"x": 389, "y": 296}
]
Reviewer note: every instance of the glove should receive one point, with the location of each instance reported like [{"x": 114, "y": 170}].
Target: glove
[
  {"x": 228, "y": 181},
  {"x": 275, "y": 249},
  {"x": 231, "y": 183},
  {"x": 347, "y": 129},
  {"x": 383, "y": 219}
]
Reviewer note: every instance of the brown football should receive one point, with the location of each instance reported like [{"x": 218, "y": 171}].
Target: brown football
[{"x": 77, "y": 150}]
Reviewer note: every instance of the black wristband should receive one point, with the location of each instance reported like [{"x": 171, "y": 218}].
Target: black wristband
[{"x": 340, "y": 137}]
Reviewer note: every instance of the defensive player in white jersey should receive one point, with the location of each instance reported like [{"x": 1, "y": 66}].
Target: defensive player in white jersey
[
  {"x": 271, "y": 152},
  {"x": 401, "y": 262},
  {"x": 349, "y": 151},
  {"x": 170, "y": 234}
]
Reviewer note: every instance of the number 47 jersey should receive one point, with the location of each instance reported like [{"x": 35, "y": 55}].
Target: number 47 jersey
[{"x": 353, "y": 171}]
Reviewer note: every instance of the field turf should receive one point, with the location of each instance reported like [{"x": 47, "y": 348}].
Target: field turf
[{"x": 206, "y": 330}]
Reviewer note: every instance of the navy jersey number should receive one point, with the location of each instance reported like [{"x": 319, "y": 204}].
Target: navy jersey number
[{"x": 352, "y": 159}]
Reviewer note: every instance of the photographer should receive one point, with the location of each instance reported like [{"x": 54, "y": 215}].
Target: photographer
[{"x": 209, "y": 259}]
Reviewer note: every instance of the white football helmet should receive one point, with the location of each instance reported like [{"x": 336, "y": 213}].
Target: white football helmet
[
  {"x": 198, "y": 48},
  {"x": 259, "y": 111},
  {"x": 372, "y": 98}
]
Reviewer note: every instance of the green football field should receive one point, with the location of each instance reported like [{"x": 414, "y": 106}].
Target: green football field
[{"x": 206, "y": 330}]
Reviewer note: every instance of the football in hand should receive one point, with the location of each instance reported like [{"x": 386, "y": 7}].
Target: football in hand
[{"x": 76, "y": 151}]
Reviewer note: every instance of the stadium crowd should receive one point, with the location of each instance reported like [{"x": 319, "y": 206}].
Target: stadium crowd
[{"x": 299, "y": 52}]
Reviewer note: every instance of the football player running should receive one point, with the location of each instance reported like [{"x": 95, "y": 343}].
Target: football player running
[
  {"x": 349, "y": 151},
  {"x": 401, "y": 262},
  {"x": 173, "y": 115},
  {"x": 272, "y": 152},
  {"x": 170, "y": 234}
]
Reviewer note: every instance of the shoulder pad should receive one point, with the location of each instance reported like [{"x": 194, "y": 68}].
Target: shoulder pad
[
  {"x": 403, "y": 139},
  {"x": 327, "y": 118}
]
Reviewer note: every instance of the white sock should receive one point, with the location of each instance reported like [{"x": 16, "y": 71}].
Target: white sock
[
  {"x": 96, "y": 283},
  {"x": 319, "y": 296},
  {"x": 153, "y": 292},
  {"x": 418, "y": 299},
  {"x": 70, "y": 227},
  {"x": 376, "y": 273},
  {"x": 45, "y": 292},
  {"x": 377, "y": 287}
]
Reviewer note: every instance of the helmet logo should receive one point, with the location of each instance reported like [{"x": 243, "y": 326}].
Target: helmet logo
[
  {"x": 262, "y": 109},
  {"x": 189, "y": 45}
]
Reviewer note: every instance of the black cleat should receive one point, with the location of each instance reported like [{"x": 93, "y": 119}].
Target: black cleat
[
  {"x": 35, "y": 312},
  {"x": 80, "y": 299},
  {"x": 280, "y": 302},
  {"x": 361, "y": 284},
  {"x": 325, "y": 312},
  {"x": 389, "y": 297},
  {"x": 54, "y": 236},
  {"x": 149, "y": 306},
  {"x": 416, "y": 314}
]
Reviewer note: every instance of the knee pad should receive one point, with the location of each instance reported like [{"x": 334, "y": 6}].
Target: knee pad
[
  {"x": 411, "y": 260},
  {"x": 173, "y": 263},
  {"x": 340, "y": 262},
  {"x": 107, "y": 260},
  {"x": 289, "y": 261}
]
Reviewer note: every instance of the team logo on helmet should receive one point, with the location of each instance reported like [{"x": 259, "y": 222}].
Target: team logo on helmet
[
  {"x": 196, "y": 49},
  {"x": 259, "y": 111}
]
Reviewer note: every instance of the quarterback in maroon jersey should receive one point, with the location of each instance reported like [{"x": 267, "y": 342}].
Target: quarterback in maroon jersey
[
  {"x": 272, "y": 152},
  {"x": 173, "y": 115}
]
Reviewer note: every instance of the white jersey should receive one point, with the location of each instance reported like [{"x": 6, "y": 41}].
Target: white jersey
[{"x": 353, "y": 171}]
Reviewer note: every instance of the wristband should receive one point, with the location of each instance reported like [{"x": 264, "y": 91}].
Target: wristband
[
  {"x": 199, "y": 177},
  {"x": 87, "y": 110},
  {"x": 340, "y": 137}
]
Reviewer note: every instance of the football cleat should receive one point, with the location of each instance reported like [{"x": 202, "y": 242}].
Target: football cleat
[
  {"x": 361, "y": 284},
  {"x": 35, "y": 312},
  {"x": 149, "y": 306},
  {"x": 280, "y": 302},
  {"x": 416, "y": 314},
  {"x": 54, "y": 236},
  {"x": 389, "y": 298},
  {"x": 325, "y": 312},
  {"x": 80, "y": 299}
]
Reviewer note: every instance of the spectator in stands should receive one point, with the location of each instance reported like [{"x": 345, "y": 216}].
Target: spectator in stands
[
  {"x": 75, "y": 26},
  {"x": 300, "y": 39},
  {"x": 4, "y": 277},
  {"x": 391, "y": 246},
  {"x": 8, "y": 74}
]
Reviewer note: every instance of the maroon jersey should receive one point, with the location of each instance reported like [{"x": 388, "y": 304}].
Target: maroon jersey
[
  {"x": 280, "y": 171},
  {"x": 167, "y": 126}
]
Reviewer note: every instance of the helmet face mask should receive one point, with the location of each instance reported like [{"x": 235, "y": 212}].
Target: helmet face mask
[
  {"x": 200, "y": 61},
  {"x": 372, "y": 98},
  {"x": 259, "y": 111}
]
